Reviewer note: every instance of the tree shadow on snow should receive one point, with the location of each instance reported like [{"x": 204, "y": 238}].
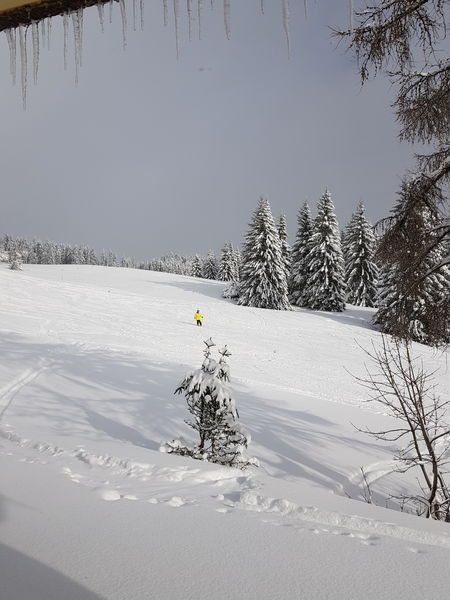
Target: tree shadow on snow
[
  {"x": 23, "y": 578},
  {"x": 99, "y": 394},
  {"x": 354, "y": 316},
  {"x": 206, "y": 287},
  {"x": 298, "y": 444}
]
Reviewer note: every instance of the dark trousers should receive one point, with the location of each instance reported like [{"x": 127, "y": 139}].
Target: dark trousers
[{"x": 199, "y": 323}]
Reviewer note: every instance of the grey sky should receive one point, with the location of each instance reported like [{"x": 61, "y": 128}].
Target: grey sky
[{"x": 150, "y": 155}]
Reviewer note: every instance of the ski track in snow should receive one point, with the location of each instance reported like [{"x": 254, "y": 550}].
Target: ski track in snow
[
  {"x": 366, "y": 530},
  {"x": 241, "y": 493},
  {"x": 46, "y": 363},
  {"x": 10, "y": 391}
]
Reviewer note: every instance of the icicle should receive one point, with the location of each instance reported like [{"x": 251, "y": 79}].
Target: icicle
[
  {"x": 199, "y": 11},
  {"x": 141, "y": 10},
  {"x": 101, "y": 15},
  {"x": 350, "y": 8},
  {"x": 305, "y": 6},
  {"x": 189, "y": 11},
  {"x": 123, "y": 12},
  {"x": 212, "y": 4},
  {"x": 77, "y": 43},
  {"x": 49, "y": 31},
  {"x": 11, "y": 37},
  {"x": 285, "y": 6},
  {"x": 134, "y": 15},
  {"x": 176, "y": 11},
  {"x": 262, "y": 7},
  {"x": 80, "y": 13},
  {"x": 66, "y": 36},
  {"x": 35, "y": 40},
  {"x": 165, "y": 13},
  {"x": 43, "y": 32},
  {"x": 111, "y": 4},
  {"x": 23, "y": 62},
  {"x": 226, "y": 17}
]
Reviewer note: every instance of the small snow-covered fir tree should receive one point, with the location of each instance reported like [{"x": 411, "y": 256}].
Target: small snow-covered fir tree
[
  {"x": 298, "y": 279},
  {"x": 226, "y": 267},
  {"x": 263, "y": 278},
  {"x": 285, "y": 248},
  {"x": 361, "y": 272},
  {"x": 210, "y": 267},
  {"x": 197, "y": 267},
  {"x": 326, "y": 286},
  {"x": 214, "y": 414}
]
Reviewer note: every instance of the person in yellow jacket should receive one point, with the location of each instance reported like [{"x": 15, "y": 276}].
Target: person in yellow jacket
[{"x": 198, "y": 318}]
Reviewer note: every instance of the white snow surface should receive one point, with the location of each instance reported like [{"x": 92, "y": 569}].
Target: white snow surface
[{"x": 90, "y": 509}]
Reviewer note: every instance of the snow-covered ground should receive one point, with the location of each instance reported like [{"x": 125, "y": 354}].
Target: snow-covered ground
[{"x": 89, "y": 507}]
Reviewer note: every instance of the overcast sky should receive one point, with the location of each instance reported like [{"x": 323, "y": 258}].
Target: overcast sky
[{"x": 150, "y": 155}]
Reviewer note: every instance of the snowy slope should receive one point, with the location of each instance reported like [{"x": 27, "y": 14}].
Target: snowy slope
[{"x": 89, "y": 508}]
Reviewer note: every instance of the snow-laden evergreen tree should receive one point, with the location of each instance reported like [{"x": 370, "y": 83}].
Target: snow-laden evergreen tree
[
  {"x": 221, "y": 438},
  {"x": 298, "y": 279},
  {"x": 15, "y": 260},
  {"x": 263, "y": 279},
  {"x": 326, "y": 285},
  {"x": 227, "y": 267},
  {"x": 197, "y": 267},
  {"x": 361, "y": 272},
  {"x": 285, "y": 248},
  {"x": 210, "y": 266},
  {"x": 237, "y": 260},
  {"x": 409, "y": 303}
]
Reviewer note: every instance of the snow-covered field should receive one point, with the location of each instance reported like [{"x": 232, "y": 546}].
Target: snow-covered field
[{"x": 89, "y": 507}]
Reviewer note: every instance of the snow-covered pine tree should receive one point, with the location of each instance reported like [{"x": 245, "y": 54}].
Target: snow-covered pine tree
[
  {"x": 298, "y": 279},
  {"x": 263, "y": 279},
  {"x": 361, "y": 272},
  {"x": 237, "y": 260},
  {"x": 285, "y": 248},
  {"x": 15, "y": 260},
  {"x": 226, "y": 267},
  {"x": 326, "y": 286},
  {"x": 214, "y": 414},
  {"x": 409, "y": 303},
  {"x": 197, "y": 267},
  {"x": 210, "y": 266}
]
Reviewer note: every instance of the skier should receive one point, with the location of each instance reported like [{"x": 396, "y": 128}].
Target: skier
[{"x": 198, "y": 318}]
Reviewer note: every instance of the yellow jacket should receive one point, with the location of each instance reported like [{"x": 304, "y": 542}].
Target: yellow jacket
[{"x": 198, "y": 316}]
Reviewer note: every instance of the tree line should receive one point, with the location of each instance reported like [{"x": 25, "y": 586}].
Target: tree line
[{"x": 325, "y": 268}]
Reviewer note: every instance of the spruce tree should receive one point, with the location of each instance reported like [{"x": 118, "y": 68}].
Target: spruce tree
[
  {"x": 298, "y": 279},
  {"x": 237, "y": 260},
  {"x": 263, "y": 279},
  {"x": 197, "y": 267},
  {"x": 325, "y": 263},
  {"x": 210, "y": 267},
  {"x": 226, "y": 267},
  {"x": 15, "y": 260},
  {"x": 221, "y": 439},
  {"x": 361, "y": 272},
  {"x": 285, "y": 248},
  {"x": 415, "y": 305}
]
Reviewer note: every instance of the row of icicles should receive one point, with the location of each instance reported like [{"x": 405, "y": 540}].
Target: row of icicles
[{"x": 41, "y": 31}]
